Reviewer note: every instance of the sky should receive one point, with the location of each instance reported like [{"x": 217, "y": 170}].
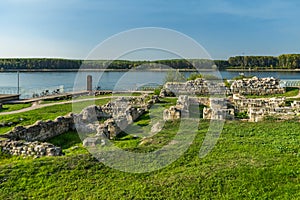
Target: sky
[{"x": 73, "y": 28}]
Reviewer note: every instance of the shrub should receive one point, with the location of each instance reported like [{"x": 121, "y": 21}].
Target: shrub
[{"x": 242, "y": 115}]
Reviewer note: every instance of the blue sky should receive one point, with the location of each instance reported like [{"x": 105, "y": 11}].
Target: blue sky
[{"x": 72, "y": 28}]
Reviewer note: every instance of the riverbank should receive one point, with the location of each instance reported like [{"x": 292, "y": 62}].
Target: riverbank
[
  {"x": 261, "y": 70},
  {"x": 148, "y": 70}
]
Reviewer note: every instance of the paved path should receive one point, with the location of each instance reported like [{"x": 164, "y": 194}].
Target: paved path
[
  {"x": 53, "y": 104},
  {"x": 69, "y": 94}
]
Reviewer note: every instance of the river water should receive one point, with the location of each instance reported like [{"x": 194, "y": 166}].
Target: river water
[{"x": 37, "y": 82}]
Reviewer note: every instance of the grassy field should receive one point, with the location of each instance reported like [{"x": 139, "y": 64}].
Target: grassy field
[
  {"x": 90, "y": 97},
  {"x": 12, "y": 107},
  {"x": 250, "y": 161}
]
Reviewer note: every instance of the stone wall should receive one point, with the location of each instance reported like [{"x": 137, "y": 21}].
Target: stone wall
[
  {"x": 173, "y": 113},
  {"x": 181, "y": 110},
  {"x": 42, "y": 130},
  {"x": 118, "y": 114},
  {"x": 219, "y": 113},
  {"x": 22, "y": 148},
  {"x": 253, "y": 86},
  {"x": 242, "y": 104},
  {"x": 226, "y": 108},
  {"x": 258, "y": 114},
  {"x": 258, "y": 109},
  {"x": 123, "y": 111},
  {"x": 194, "y": 87},
  {"x": 200, "y": 101},
  {"x": 218, "y": 108},
  {"x": 114, "y": 126},
  {"x": 296, "y": 105},
  {"x": 257, "y": 86}
]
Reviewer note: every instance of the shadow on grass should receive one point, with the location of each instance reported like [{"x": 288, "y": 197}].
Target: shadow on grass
[{"x": 66, "y": 140}]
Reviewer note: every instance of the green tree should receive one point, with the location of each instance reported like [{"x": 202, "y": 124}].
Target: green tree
[{"x": 174, "y": 76}]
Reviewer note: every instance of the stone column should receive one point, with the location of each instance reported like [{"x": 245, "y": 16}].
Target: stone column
[{"x": 89, "y": 85}]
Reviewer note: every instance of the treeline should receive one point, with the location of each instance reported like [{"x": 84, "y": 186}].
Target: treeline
[
  {"x": 286, "y": 61},
  {"x": 157, "y": 64},
  {"x": 53, "y": 64},
  {"x": 38, "y": 63}
]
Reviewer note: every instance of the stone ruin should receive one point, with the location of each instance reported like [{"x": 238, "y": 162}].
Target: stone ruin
[
  {"x": 296, "y": 105},
  {"x": 42, "y": 130},
  {"x": 257, "y": 86},
  {"x": 246, "y": 86},
  {"x": 123, "y": 112},
  {"x": 242, "y": 104},
  {"x": 258, "y": 109},
  {"x": 199, "y": 86},
  {"x": 181, "y": 110},
  {"x": 117, "y": 115},
  {"x": 226, "y": 108},
  {"x": 216, "y": 108},
  {"x": 22, "y": 148}
]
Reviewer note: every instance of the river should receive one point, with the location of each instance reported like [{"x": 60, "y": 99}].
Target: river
[{"x": 37, "y": 82}]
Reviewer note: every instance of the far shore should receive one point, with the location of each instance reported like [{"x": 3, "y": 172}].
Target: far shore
[{"x": 149, "y": 70}]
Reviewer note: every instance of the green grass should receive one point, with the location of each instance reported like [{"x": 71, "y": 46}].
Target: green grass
[
  {"x": 13, "y": 107},
  {"x": 250, "y": 161},
  {"x": 63, "y": 99},
  {"x": 290, "y": 92}
]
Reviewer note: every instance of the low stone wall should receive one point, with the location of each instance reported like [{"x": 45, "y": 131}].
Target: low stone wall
[
  {"x": 219, "y": 113},
  {"x": 173, "y": 113},
  {"x": 258, "y": 114},
  {"x": 42, "y": 130},
  {"x": 22, "y": 148},
  {"x": 296, "y": 105},
  {"x": 218, "y": 108},
  {"x": 243, "y": 104},
  {"x": 114, "y": 126}
]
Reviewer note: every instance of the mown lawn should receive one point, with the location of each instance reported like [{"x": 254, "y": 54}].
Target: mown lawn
[{"x": 250, "y": 161}]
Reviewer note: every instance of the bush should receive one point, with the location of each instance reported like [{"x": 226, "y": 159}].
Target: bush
[
  {"x": 242, "y": 115},
  {"x": 194, "y": 76},
  {"x": 226, "y": 83},
  {"x": 174, "y": 76},
  {"x": 157, "y": 90},
  {"x": 240, "y": 77}
]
